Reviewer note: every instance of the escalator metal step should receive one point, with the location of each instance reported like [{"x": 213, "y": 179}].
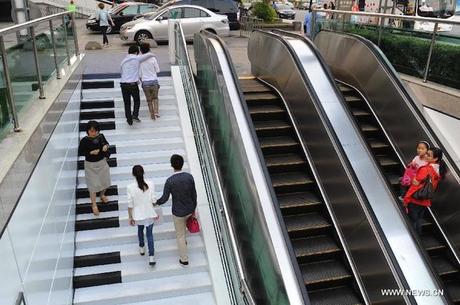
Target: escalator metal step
[
  {"x": 271, "y": 125},
  {"x": 393, "y": 178},
  {"x": 266, "y": 142},
  {"x": 431, "y": 243},
  {"x": 444, "y": 266},
  {"x": 360, "y": 112},
  {"x": 342, "y": 295},
  {"x": 296, "y": 200},
  {"x": 324, "y": 271},
  {"x": 266, "y": 109},
  {"x": 453, "y": 289},
  {"x": 377, "y": 144},
  {"x": 387, "y": 161},
  {"x": 368, "y": 127},
  {"x": 352, "y": 99},
  {"x": 306, "y": 222},
  {"x": 314, "y": 246},
  {"x": 253, "y": 86},
  {"x": 290, "y": 179},
  {"x": 266, "y": 96},
  {"x": 285, "y": 159},
  {"x": 344, "y": 88}
]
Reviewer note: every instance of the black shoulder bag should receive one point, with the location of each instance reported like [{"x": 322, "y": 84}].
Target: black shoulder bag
[{"x": 426, "y": 192}]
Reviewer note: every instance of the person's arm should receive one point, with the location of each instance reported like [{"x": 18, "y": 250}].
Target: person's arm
[
  {"x": 144, "y": 57},
  {"x": 157, "y": 66},
  {"x": 130, "y": 208},
  {"x": 166, "y": 193},
  {"x": 194, "y": 196},
  {"x": 421, "y": 175},
  {"x": 152, "y": 193},
  {"x": 104, "y": 143},
  {"x": 110, "y": 19}
]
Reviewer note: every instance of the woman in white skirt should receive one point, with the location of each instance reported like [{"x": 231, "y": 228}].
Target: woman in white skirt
[
  {"x": 95, "y": 148},
  {"x": 141, "y": 197}
]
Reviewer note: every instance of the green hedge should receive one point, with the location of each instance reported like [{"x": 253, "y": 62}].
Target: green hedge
[
  {"x": 408, "y": 54},
  {"x": 264, "y": 11}
]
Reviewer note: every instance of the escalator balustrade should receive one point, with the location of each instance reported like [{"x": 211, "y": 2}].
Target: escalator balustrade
[
  {"x": 432, "y": 240},
  {"x": 325, "y": 270}
]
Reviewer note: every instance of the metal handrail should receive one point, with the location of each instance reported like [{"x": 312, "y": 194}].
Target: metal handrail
[
  {"x": 393, "y": 16},
  {"x": 30, "y": 26},
  {"x": 204, "y": 136}
]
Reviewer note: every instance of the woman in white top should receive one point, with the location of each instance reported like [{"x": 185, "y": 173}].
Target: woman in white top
[{"x": 141, "y": 196}]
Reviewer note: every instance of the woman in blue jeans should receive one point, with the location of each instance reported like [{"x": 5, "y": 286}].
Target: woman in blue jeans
[{"x": 141, "y": 196}]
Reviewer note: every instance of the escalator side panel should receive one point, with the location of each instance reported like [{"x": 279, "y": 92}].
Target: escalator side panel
[
  {"x": 282, "y": 72},
  {"x": 392, "y": 105}
]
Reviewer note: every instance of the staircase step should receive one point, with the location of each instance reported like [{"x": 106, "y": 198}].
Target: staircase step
[
  {"x": 107, "y": 125},
  {"x": 111, "y": 161},
  {"x": 96, "y": 84},
  {"x": 444, "y": 266},
  {"x": 97, "y": 223},
  {"x": 96, "y": 259},
  {"x": 138, "y": 132},
  {"x": 103, "y": 207},
  {"x": 83, "y": 192},
  {"x": 97, "y": 279},
  {"x": 290, "y": 179},
  {"x": 324, "y": 273},
  {"x": 298, "y": 200},
  {"x": 199, "y": 298},
  {"x": 154, "y": 289},
  {"x": 97, "y": 115},
  {"x": 314, "y": 246},
  {"x": 336, "y": 295},
  {"x": 95, "y": 104},
  {"x": 306, "y": 224}
]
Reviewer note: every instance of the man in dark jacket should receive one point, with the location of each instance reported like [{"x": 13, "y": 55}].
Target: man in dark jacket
[{"x": 182, "y": 188}]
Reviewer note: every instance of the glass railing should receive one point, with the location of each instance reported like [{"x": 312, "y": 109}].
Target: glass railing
[
  {"x": 32, "y": 54},
  {"x": 228, "y": 247},
  {"x": 422, "y": 47}
]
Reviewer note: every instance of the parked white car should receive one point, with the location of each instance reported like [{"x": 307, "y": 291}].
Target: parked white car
[{"x": 193, "y": 19}]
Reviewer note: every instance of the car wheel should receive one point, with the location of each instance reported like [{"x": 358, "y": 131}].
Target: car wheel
[{"x": 142, "y": 35}]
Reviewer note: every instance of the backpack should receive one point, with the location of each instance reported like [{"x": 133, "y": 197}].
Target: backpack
[{"x": 426, "y": 191}]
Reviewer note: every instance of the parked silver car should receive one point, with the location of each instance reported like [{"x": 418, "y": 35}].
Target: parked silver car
[{"x": 193, "y": 19}]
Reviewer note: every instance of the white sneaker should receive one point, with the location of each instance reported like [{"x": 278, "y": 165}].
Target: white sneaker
[
  {"x": 152, "y": 261},
  {"x": 141, "y": 250}
]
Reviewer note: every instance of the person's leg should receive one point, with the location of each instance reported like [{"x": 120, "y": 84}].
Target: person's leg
[
  {"x": 156, "y": 106},
  {"x": 416, "y": 215},
  {"x": 179, "y": 226},
  {"x": 103, "y": 197},
  {"x": 149, "y": 99},
  {"x": 127, "y": 101},
  {"x": 137, "y": 101},
  {"x": 140, "y": 236},
  {"x": 420, "y": 216},
  {"x": 104, "y": 34},
  {"x": 93, "y": 203},
  {"x": 150, "y": 241}
]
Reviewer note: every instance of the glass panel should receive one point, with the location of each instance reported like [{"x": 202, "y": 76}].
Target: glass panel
[
  {"x": 191, "y": 12},
  {"x": 445, "y": 64},
  {"x": 4, "y": 112},
  {"x": 59, "y": 42}
]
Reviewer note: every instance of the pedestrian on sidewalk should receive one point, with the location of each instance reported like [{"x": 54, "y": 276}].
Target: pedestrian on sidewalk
[
  {"x": 130, "y": 66},
  {"x": 95, "y": 148},
  {"x": 182, "y": 188},
  {"x": 105, "y": 20},
  {"x": 141, "y": 197},
  {"x": 149, "y": 78}
]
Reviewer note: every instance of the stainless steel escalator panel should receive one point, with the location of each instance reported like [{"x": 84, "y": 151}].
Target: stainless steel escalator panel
[
  {"x": 279, "y": 72},
  {"x": 393, "y": 104}
]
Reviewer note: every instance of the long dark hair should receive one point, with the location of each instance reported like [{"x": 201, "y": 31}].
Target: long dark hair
[
  {"x": 437, "y": 154},
  {"x": 138, "y": 173}
]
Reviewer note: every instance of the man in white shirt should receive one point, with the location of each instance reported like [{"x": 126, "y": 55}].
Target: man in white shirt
[
  {"x": 149, "y": 79},
  {"x": 129, "y": 82}
]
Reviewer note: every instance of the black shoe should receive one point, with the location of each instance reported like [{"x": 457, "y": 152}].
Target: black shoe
[
  {"x": 183, "y": 264},
  {"x": 130, "y": 123},
  {"x": 136, "y": 120}
]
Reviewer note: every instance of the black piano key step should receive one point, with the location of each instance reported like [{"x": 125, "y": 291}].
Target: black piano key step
[
  {"x": 97, "y": 223},
  {"x": 83, "y": 192},
  {"x": 97, "y": 84},
  {"x": 111, "y": 161},
  {"x": 84, "y": 105},
  {"x": 98, "y": 279},
  {"x": 110, "y": 125},
  {"x": 112, "y": 150},
  {"x": 96, "y": 259},
  {"x": 97, "y": 115},
  {"x": 85, "y": 208}
]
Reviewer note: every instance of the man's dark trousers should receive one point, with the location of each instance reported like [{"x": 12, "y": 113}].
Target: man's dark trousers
[{"x": 128, "y": 90}]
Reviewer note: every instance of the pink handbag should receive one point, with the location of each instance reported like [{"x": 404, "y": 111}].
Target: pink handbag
[
  {"x": 409, "y": 175},
  {"x": 192, "y": 224}
]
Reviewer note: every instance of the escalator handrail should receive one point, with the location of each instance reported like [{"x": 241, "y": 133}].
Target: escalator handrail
[
  {"x": 329, "y": 75},
  {"x": 300, "y": 295},
  {"x": 393, "y": 74}
]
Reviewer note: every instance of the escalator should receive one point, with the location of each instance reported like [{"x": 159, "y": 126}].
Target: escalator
[
  {"x": 325, "y": 271},
  {"x": 431, "y": 237}
]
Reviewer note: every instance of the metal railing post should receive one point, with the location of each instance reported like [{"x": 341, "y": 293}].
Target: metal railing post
[
  {"x": 9, "y": 87},
  {"x": 381, "y": 24},
  {"x": 313, "y": 25},
  {"x": 433, "y": 41},
  {"x": 64, "y": 25},
  {"x": 74, "y": 33},
  {"x": 37, "y": 64},
  {"x": 53, "y": 42}
]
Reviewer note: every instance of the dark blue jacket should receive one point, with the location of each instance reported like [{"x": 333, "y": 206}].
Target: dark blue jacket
[{"x": 182, "y": 188}]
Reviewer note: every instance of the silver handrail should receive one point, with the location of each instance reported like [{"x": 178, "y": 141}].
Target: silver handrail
[
  {"x": 380, "y": 22},
  {"x": 30, "y": 26},
  {"x": 202, "y": 136}
]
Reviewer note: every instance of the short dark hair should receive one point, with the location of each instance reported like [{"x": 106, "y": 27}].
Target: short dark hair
[
  {"x": 145, "y": 47},
  {"x": 177, "y": 162},
  {"x": 93, "y": 124},
  {"x": 101, "y": 5},
  {"x": 133, "y": 49}
]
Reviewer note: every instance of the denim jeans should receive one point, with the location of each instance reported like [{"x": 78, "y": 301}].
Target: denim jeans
[
  {"x": 416, "y": 214},
  {"x": 149, "y": 233}
]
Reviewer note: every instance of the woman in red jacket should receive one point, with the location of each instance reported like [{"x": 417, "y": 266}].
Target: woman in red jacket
[{"x": 436, "y": 169}]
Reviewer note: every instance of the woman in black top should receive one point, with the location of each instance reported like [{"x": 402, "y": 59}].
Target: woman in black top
[{"x": 95, "y": 148}]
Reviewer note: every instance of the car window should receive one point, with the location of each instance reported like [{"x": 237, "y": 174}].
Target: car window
[
  {"x": 190, "y": 12},
  {"x": 204, "y": 14},
  {"x": 174, "y": 13},
  {"x": 130, "y": 10},
  {"x": 146, "y": 8}
]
